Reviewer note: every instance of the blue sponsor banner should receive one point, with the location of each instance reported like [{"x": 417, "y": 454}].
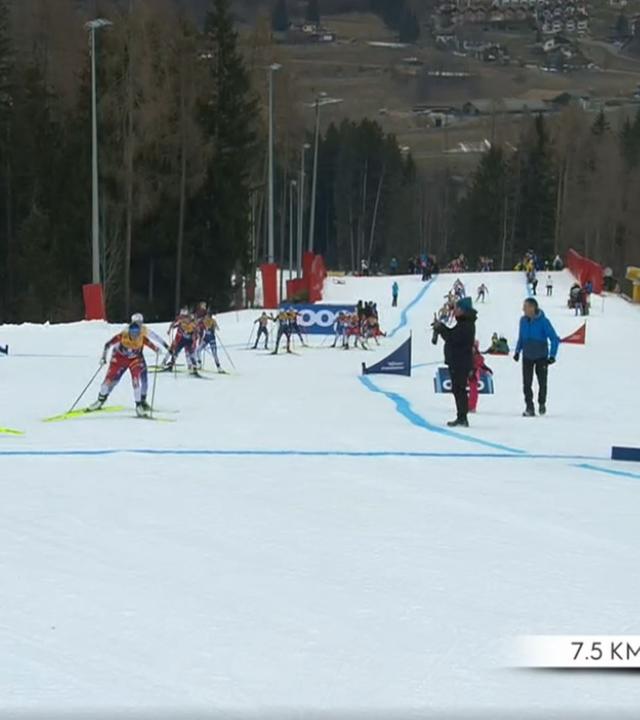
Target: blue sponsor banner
[
  {"x": 318, "y": 319},
  {"x": 442, "y": 382},
  {"x": 398, "y": 363}
]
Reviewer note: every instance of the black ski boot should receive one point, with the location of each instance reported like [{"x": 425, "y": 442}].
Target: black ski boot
[
  {"x": 144, "y": 404},
  {"x": 542, "y": 410},
  {"x": 458, "y": 422},
  {"x": 529, "y": 412}
]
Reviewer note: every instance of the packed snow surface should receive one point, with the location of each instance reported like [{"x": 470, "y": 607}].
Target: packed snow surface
[{"x": 302, "y": 539}]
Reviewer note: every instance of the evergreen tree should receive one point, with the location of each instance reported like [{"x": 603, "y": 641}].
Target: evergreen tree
[
  {"x": 480, "y": 226},
  {"x": 6, "y": 108},
  {"x": 280, "y": 16},
  {"x": 536, "y": 211},
  {"x": 409, "y": 29},
  {"x": 630, "y": 141},
  {"x": 623, "y": 29},
  {"x": 313, "y": 11},
  {"x": 220, "y": 228},
  {"x": 600, "y": 124},
  {"x": 391, "y": 11}
]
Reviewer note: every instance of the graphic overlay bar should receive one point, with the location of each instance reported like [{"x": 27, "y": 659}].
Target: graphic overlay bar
[{"x": 579, "y": 652}]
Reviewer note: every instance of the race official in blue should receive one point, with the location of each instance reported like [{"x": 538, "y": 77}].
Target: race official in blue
[{"x": 538, "y": 343}]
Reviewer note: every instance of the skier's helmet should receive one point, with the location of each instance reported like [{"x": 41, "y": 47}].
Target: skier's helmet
[{"x": 137, "y": 318}]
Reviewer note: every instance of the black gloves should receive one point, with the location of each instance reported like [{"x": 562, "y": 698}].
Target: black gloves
[
  {"x": 516, "y": 357},
  {"x": 551, "y": 360}
]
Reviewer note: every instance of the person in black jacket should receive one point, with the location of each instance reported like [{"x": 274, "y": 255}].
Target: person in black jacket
[{"x": 458, "y": 355}]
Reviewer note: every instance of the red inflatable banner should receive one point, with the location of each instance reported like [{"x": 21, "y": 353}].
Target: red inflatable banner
[{"x": 584, "y": 270}]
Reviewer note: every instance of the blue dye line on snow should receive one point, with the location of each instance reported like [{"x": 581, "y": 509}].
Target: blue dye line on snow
[
  {"x": 404, "y": 320},
  {"x": 304, "y": 454},
  {"x": 607, "y": 471},
  {"x": 403, "y": 406}
]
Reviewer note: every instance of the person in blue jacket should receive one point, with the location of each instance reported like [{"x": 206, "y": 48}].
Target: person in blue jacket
[
  {"x": 395, "y": 289},
  {"x": 538, "y": 342}
]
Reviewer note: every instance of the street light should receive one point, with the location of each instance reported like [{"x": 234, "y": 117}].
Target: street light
[
  {"x": 291, "y": 232},
  {"x": 305, "y": 147},
  {"x": 95, "y": 202},
  {"x": 320, "y": 101},
  {"x": 271, "y": 245}
]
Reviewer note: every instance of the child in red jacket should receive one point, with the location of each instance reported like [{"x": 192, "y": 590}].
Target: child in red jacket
[{"x": 479, "y": 369}]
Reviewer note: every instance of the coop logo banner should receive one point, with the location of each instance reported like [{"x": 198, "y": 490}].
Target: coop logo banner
[
  {"x": 319, "y": 319},
  {"x": 442, "y": 382}
]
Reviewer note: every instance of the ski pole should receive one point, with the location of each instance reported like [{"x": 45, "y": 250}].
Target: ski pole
[
  {"x": 153, "y": 389},
  {"x": 89, "y": 384},
  {"x": 225, "y": 352}
]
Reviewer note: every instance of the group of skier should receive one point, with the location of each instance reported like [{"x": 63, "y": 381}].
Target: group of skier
[
  {"x": 362, "y": 325},
  {"x": 193, "y": 332},
  {"x": 288, "y": 322}
]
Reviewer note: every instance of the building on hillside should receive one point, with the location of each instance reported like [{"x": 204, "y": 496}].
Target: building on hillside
[{"x": 506, "y": 106}]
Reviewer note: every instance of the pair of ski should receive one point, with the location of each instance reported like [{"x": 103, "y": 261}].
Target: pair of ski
[
  {"x": 183, "y": 370},
  {"x": 11, "y": 431},
  {"x": 107, "y": 410}
]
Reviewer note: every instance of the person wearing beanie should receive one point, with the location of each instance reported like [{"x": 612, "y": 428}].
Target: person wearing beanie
[{"x": 458, "y": 355}]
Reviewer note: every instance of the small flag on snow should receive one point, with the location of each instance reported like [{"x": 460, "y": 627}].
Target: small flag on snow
[
  {"x": 579, "y": 337},
  {"x": 398, "y": 363}
]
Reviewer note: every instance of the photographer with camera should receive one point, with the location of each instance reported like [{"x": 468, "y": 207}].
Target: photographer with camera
[{"x": 458, "y": 354}]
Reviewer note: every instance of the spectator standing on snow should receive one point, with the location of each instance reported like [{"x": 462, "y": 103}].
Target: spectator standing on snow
[
  {"x": 479, "y": 369},
  {"x": 458, "y": 355},
  {"x": 538, "y": 342},
  {"x": 549, "y": 286},
  {"x": 395, "y": 289}
]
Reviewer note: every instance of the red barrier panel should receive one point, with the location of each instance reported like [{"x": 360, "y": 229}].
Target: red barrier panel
[
  {"x": 93, "y": 302},
  {"x": 269, "y": 273},
  {"x": 584, "y": 270}
]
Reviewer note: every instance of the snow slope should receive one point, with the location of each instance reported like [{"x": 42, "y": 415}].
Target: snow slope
[{"x": 304, "y": 539}]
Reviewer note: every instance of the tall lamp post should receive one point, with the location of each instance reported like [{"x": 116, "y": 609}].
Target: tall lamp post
[
  {"x": 271, "y": 242},
  {"x": 292, "y": 193},
  {"x": 95, "y": 201},
  {"x": 301, "y": 183},
  {"x": 320, "y": 101}
]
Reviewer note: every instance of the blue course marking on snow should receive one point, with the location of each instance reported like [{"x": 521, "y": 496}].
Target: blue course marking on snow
[
  {"x": 607, "y": 471},
  {"x": 404, "y": 320},
  {"x": 403, "y": 406},
  {"x": 304, "y": 454}
]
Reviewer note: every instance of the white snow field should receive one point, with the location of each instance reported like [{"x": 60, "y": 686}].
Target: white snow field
[{"x": 306, "y": 542}]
